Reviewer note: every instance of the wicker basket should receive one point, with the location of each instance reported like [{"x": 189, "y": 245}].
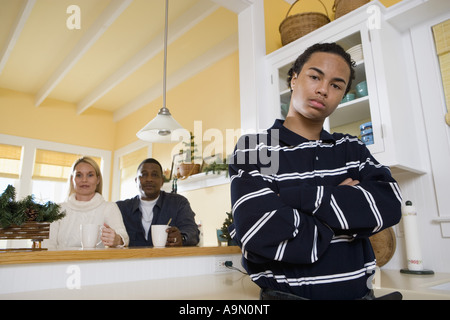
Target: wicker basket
[
  {"x": 188, "y": 169},
  {"x": 342, "y": 7},
  {"x": 36, "y": 231},
  {"x": 298, "y": 25}
]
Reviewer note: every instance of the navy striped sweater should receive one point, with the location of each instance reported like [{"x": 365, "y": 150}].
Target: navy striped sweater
[{"x": 299, "y": 231}]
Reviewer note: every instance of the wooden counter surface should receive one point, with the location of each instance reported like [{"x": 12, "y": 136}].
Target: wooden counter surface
[{"x": 76, "y": 254}]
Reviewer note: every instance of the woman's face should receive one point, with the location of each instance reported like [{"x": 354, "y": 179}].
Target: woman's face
[{"x": 85, "y": 181}]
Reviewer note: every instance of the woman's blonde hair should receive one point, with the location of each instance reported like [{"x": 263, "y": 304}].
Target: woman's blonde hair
[{"x": 94, "y": 165}]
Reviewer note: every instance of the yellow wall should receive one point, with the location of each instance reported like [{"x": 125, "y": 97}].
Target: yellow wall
[
  {"x": 276, "y": 10},
  {"x": 210, "y": 206},
  {"x": 211, "y": 96},
  {"x": 55, "y": 121}
]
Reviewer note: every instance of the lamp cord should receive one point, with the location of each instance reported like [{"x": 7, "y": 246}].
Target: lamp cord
[{"x": 166, "y": 27}]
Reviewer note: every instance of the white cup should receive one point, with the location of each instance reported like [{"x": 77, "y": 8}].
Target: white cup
[
  {"x": 159, "y": 235},
  {"x": 90, "y": 235}
]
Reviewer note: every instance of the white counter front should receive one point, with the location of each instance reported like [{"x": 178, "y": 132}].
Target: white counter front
[
  {"x": 168, "y": 274},
  {"x": 75, "y": 270}
]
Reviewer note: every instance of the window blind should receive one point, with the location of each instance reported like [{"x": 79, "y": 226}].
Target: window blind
[
  {"x": 54, "y": 165},
  {"x": 128, "y": 163},
  {"x": 10, "y": 158},
  {"x": 442, "y": 41}
]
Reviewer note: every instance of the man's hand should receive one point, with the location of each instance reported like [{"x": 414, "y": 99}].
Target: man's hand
[{"x": 174, "y": 238}]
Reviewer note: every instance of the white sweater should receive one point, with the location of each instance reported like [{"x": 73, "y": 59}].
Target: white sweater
[{"x": 65, "y": 233}]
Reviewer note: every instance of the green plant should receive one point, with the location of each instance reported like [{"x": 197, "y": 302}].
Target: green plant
[
  {"x": 190, "y": 148},
  {"x": 216, "y": 167},
  {"x": 228, "y": 221},
  {"x": 18, "y": 212}
]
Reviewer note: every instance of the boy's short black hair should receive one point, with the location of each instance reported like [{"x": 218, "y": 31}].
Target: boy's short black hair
[
  {"x": 322, "y": 47},
  {"x": 150, "y": 160}
]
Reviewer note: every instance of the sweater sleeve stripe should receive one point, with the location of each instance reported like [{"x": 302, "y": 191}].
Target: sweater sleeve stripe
[
  {"x": 280, "y": 251},
  {"x": 251, "y": 195},
  {"x": 315, "y": 280},
  {"x": 296, "y": 222},
  {"x": 319, "y": 198},
  {"x": 396, "y": 191},
  {"x": 258, "y": 225},
  {"x": 339, "y": 214},
  {"x": 373, "y": 207},
  {"x": 314, "y": 256}
]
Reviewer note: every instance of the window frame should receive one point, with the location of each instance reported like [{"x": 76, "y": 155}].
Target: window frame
[
  {"x": 115, "y": 196},
  {"x": 29, "y": 147}
]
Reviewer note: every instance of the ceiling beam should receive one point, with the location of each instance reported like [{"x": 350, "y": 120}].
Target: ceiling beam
[
  {"x": 15, "y": 32},
  {"x": 236, "y": 6},
  {"x": 202, "y": 62},
  {"x": 179, "y": 27},
  {"x": 108, "y": 16}
]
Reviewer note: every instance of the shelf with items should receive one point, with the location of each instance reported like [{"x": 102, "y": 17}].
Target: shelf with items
[
  {"x": 198, "y": 181},
  {"x": 350, "y": 112}
]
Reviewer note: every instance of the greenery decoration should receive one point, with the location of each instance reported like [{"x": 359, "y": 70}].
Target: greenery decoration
[
  {"x": 190, "y": 149},
  {"x": 228, "y": 221},
  {"x": 216, "y": 167},
  {"x": 18, "y": 212}
]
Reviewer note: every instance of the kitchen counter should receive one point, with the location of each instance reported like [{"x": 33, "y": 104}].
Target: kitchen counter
[
  {"x": 167, "y": 273},
  {"x": 231, "y": 285},
  {"x": 78, "y": 254},
  {"x": 223, "y": 286},
  {"x": 415, "y": 287},
  {"x": 26, "y": 272}
]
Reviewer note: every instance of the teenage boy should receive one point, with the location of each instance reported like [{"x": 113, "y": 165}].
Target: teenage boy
[{"x": 303, "y": 219}]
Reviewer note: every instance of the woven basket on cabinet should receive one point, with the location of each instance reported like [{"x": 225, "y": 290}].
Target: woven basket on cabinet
[
  {"x": 342, "y": 7},
  {"x": 298, "y": 25}
]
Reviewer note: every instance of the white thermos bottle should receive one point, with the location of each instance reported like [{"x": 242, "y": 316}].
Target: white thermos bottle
[{"x": 412, "y": 240}]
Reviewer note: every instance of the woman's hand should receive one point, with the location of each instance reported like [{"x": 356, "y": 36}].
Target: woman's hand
[{"x": 109, "y": 237}]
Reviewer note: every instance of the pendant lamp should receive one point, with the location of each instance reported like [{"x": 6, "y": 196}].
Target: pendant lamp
[{"x": 160, "y": 128}]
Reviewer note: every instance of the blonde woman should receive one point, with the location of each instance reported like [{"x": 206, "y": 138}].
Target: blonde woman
[{"x": 86, "y": 205}]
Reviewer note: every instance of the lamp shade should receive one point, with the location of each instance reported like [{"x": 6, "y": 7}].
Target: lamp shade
[{"x": 160, "y": 128}]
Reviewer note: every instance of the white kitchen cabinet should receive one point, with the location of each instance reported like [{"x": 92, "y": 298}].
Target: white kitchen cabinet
[{"x": 388, "y": 102}]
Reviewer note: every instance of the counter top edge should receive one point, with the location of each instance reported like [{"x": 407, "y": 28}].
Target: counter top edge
[{"x": 50, "y": 256}]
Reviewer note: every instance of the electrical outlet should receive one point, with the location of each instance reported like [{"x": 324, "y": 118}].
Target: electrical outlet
[{"x": 220, "y": 264}]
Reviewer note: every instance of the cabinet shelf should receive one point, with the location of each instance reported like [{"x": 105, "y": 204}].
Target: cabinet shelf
[
  {"x": 352, "y": 111},
  {"x": 198, "y": 181}
]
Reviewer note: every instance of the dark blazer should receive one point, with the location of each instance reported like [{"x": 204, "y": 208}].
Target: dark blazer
[{"x": 169, "y": 205}]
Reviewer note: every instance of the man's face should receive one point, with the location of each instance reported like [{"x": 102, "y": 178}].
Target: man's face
[
  {"x": 320, "y": 86},
  {"x": 149, "y": 180}
]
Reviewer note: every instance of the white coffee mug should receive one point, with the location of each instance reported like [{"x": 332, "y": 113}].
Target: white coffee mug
[
  {"x": 159, "y": 235},
  {"x": 90, "y": 235}
]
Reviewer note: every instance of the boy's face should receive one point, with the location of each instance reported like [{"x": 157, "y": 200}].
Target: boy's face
[{"x": 320, "y": 86}]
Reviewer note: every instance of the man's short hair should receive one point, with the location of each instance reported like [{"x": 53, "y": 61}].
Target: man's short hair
[{"x": 150, "y": 160}]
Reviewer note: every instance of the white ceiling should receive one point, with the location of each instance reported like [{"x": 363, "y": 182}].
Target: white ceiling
[{"x": 114, "y": 61}]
